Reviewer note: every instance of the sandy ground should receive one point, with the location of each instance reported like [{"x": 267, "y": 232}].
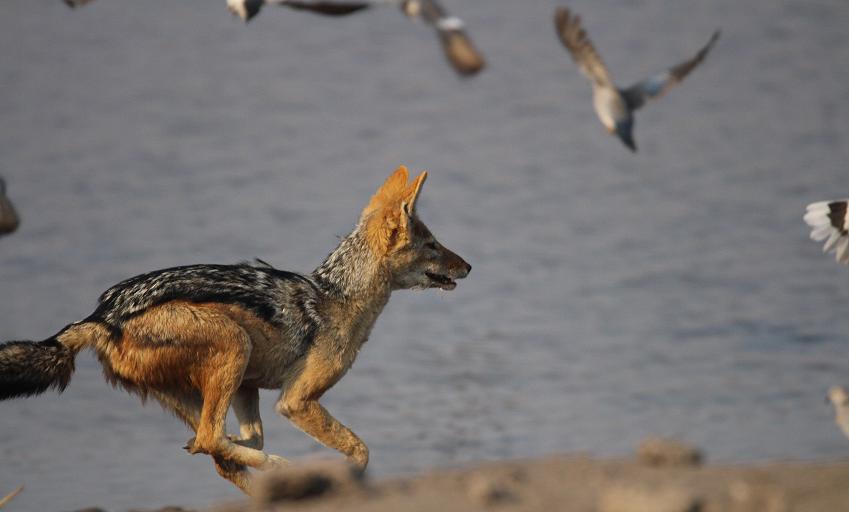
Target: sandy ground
[{"x": 662, "y": 476}]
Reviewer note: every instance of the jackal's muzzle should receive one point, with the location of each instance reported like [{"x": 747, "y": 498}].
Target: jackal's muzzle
[{"x": 451, "y": 267}]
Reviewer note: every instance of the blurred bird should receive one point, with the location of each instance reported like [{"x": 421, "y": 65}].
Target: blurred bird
[
  {"x": 839, "y": 398},
  {"x": 615, "y": 107},
  {"x": 830, "y": 219},
  {"x": 73, "y": 4},
  {"x": 247, "y": 9},
  {"x": 456, "y": 45},
  {"x": 6, "y": 499},
  {"x": 8, "y": 216}
]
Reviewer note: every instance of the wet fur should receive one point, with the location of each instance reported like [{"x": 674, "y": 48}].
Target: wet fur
[{"x": 202, "y": 338}]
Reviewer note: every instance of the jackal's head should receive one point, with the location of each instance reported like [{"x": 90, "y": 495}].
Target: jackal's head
[{"x": 406, "y": 248}]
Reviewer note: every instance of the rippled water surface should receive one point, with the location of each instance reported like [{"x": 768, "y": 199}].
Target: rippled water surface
[{"x": 613, "y": 296}]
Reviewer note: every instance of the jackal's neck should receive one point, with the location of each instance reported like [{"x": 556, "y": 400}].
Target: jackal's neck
[{"x": 352, "y": 271}]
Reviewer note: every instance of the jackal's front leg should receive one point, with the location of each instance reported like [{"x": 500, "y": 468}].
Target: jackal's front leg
[{"x": 299, "y": 403}]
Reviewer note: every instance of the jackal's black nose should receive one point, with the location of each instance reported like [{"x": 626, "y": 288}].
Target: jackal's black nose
[{"x": 464, "y": 269}]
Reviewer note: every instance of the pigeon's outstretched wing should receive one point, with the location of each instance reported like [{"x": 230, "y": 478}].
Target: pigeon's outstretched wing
[
  {"x": 830, "y": 221},
  {"x": 656, "y": 86},
  {"x": 575, "y": 39},
  {"x": 456, "y": 44}
]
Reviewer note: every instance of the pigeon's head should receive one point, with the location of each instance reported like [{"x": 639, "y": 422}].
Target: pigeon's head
[
  {"x": 838, "y": 396},
  {"x": 625, "y": 131},
  {"x": 245, "y": 9}
]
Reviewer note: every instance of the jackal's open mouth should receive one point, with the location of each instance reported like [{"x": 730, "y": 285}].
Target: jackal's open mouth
[{"x": 441, "y": 281}]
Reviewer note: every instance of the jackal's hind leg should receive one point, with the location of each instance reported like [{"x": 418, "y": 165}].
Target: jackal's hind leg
[
  {"x": 222, "y": 371},
  {"x": 299, "y": 403},
  {"x": 246, "y": 407},
  {"x": 188, "y": 408}
]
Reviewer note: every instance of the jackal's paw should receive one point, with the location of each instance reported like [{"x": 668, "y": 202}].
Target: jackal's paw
[
  {"x": 359, "y": 458},
  {"x": 190, "y": 446},
  {"x": 274, "y": 461}
]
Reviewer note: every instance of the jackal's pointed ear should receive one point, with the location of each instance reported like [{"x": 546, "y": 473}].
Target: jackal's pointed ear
[
  {"x": 390, "y": 192},
  {"x": 383, "y": 217},
  {"x": 411, "y": 194}
]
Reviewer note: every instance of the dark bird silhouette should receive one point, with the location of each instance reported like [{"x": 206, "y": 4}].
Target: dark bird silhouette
[
  {"x": 456, "y": 44},
  {"x": 615, "y": 107},
  {"x": 247, "y": 9},
  {"x": 73, "y": 4},
  {"x": 9, "y": 220}
]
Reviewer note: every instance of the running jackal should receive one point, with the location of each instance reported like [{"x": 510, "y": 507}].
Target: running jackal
[{"x": 202, "y": 338}]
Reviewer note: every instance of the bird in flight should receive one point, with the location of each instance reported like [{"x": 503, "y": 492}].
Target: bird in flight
[
  {"x": 247, "y": 9},
  {"x": 839, "y": 399},
  {"x": 9, "y": 220},
  {"x": 458, "y": 48},
  {"x": 615, "y": 107},
  {"x": 73, "y": 4},
  {"x": 830, "y": 219}
]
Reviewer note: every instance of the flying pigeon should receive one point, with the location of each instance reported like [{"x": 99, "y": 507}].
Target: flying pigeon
[
  {"x": 829, "y": 219},
  {"x": 615, "y": 107}
]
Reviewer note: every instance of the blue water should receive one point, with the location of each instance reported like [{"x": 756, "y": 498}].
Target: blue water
[{"x": 614, "y": 296}]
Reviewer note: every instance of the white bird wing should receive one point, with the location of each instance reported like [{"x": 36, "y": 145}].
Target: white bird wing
[{"x": 829, "y": 222}]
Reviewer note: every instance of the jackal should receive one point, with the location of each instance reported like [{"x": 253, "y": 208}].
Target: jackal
[{"x": 202, "y": 338}]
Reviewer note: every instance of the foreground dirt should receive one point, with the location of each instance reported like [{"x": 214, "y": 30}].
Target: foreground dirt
[{"x": 660, "y": 478}]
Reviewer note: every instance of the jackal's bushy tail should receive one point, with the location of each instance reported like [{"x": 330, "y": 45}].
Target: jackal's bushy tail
[{"x": 30, "y": 368}]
